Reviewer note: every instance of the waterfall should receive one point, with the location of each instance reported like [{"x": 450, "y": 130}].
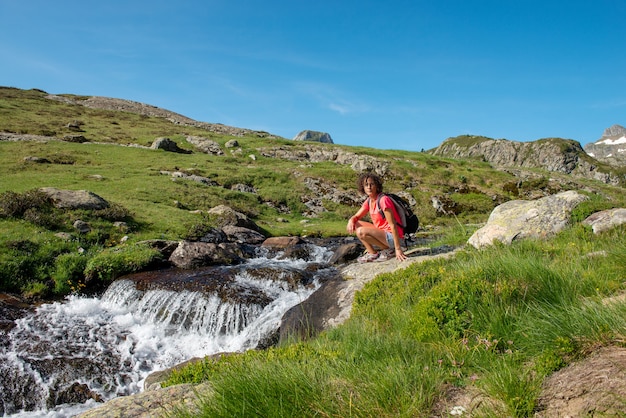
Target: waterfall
[{"x": 95, "y": 349}]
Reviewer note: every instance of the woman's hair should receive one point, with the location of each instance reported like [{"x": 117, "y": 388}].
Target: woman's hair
[{"x": 369, "y": 176}]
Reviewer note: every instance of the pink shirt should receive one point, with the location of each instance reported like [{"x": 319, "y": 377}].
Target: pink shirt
[{"x": 378, "y": 219}]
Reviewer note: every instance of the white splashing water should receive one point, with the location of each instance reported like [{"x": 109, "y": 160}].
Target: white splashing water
[{"x": 112, "y": 343}]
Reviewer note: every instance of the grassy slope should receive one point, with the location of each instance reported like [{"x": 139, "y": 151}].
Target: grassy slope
[
  {"x": 492, "y": 324},
  {"x": 495, "y": 321}
]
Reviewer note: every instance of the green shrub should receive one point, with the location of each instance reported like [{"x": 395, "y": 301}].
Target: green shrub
[
  {"x": 11, "y": 274},
  {"x": 35, "y": 290},
  {"x": 25, "y": 262},
  {"x": 115, "y": 212},
  {"x": 14, "y": 205},
  {"x": 49, "y": 219},
  {"x": 19, "y": 265},
  {"x": 448, "y": 307}
]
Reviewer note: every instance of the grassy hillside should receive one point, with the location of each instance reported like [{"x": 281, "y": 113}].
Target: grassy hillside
[
  {"x": 130, "y": 176},
  {"x": 111, "y": 158}
]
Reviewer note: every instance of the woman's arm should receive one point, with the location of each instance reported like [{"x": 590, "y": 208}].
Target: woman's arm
[
  {"x": 355, "y": 219},
  {"x": 391, "y": 220}
]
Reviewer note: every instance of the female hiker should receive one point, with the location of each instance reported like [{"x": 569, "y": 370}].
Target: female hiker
[{"x": 383, "y": 237}]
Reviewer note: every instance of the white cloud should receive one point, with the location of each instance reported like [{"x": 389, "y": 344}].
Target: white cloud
[{"x": 341, "y": 109}]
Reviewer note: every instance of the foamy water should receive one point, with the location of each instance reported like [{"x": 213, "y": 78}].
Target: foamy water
[{"x": 113, "y": 343}]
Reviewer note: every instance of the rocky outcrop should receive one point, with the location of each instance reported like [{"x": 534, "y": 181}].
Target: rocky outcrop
[
  {"x": 168, "y": 145},
  {"x": 314, "y": 136},
  {"x": 191, "y": 177},
  {"x": 315, "y": 154},
  {"x": 205, "y": 145},
  {"x": 519, "y": 219},
  {"x": 322, "y": 191},
  {"x": 551, "y": 154},
  {"x": 611, "y": 147},
  {"x": 9, "y": 136}
]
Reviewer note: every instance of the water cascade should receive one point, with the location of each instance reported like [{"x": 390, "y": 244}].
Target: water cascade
[{"x": 64, "y": 357}]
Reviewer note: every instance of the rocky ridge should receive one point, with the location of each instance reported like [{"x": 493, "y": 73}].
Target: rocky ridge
[
  {"x": 552, "y": 154},
  {"x": 122, "y": 105}
]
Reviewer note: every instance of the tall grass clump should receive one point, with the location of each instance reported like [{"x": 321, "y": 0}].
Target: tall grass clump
[{"x": 355, "y": 373}]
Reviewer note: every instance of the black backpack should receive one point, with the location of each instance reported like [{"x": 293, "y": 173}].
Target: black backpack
[{"x": 409, "y": 221}]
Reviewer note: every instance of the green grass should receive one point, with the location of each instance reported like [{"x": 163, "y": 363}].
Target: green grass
[{"x": 496, "y": 321}]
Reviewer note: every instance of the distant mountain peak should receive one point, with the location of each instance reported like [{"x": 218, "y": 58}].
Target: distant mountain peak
[
  {"x": 611, "y": 147},
  {"x": 613, "y": 132}
]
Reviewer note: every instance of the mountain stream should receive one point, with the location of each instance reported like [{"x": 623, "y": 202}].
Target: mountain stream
[{"x": 65, "y": 357}]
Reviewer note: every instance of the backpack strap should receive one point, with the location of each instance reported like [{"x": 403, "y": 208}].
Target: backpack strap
[{"x": 399, "y": 209}]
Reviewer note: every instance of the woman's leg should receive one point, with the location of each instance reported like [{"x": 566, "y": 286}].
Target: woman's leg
[{"x": 371, "y": 236}]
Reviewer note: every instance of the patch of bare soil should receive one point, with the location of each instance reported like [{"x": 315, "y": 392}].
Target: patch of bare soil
[{"x": 592, "y": 387}]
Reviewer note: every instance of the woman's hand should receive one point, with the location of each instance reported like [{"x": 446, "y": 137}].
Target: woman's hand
[
  {"x": 351, "y": 227},
  {"x": 400, "y": 256}
]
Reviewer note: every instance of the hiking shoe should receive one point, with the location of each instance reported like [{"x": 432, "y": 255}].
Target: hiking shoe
[
  {"x": 368, "y": 258},
  {"x": 385, "y": 255}
]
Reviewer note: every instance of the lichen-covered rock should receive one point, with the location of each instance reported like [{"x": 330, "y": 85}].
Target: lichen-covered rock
[
  {"x": 519, "y": 219},
  {"x": 228, "y": 216},
  {"x": 75, "y": 199},
  {"x": 606, "y": 219}
]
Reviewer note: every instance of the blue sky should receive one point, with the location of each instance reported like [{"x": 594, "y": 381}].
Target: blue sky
[{"x": 384, "y": 74}]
